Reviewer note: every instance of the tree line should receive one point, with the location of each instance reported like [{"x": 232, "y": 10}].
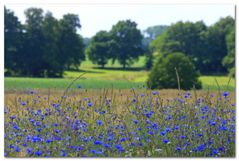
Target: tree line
[
  {"x": 210, "y": 48},
  {"x": 45, "y": 47}
]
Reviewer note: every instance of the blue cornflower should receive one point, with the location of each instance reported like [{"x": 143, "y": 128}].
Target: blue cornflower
[
  {"x": 221, "y": 148},
  {"x": 93, "y": 151},
  {"x": 123, "y": 139},
  {"x": 38, "y": 123},
  {"x": 169, "y": 117},
  {"x": 11, "y": 146},
  {"x": 134, "y": 100},
  {"x": 28, "y": 150},
  {"x": 210, "y": 142},
  {"x": 79, "y": 148},
  {"x": 183, "y": 137},
  {"x": 135, "y": 121},
  {"x": 102, "y": 112},
  {"x": 107, "y": 103},
  {"x": 89, "y": 104},
  {"x": 12, "y": 117},
  {"x": 23, "y": 103},
  {"x": 140, "y": 144},
  {"x": 176, "y": 127},
  {"x": 97, "y": 142},
  {"x": 99, "y": 122},
  {"x": 49, "y": 140},
  {"x": 99, "y": 152},
  {"x": 16, "y": 127},
  {"x": 38, "y": 153},
  {"x": 178, "y": 148},
  {"x": 24, "y": 144},
  {"x": 55, "y": 124},
  {"x": 36, "y": 139},
  {"x": 109, "y": 138},
  {"x": 79, "y": 86},
  {"x": 155, "y": 92},
  {"x": 107, "y": 145},
  {"x": 200, "y": 135},
  {"x": 165, "y": 141},
  {"x": 150, "y": 132},
  {"x": 17, "y": 149},
  {"x": 57, "y": 131},
  {"x": 132, "y": 144},
  {"x": 162, "y": 133},
  {"x": 214, "y": 152},
  {"x": 225, "y": 94},
  {"x": 223, "y": 128},
  {"x": 63, "y": 153},
  {"x": 213, "y": 123},
  {"x": 167, "y": 129},
  {"x": 119, "y": 147},
  {"x": 201, "y": 147},
  {"x": 148, "y": 115},
  {"x": 58, "y": 138}
]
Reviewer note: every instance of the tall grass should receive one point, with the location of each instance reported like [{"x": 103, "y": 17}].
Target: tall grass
[{"x": 118, "y": 123}]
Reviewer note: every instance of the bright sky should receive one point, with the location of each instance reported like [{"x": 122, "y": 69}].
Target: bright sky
[{"x": 96, "y": 17}]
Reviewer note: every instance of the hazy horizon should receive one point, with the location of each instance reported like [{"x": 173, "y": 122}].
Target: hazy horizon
[{"x": 96, "y": 17}]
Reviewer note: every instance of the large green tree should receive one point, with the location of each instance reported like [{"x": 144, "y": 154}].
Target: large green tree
[
  {"x": 183, "y": 37},
  {"x": 128, "y": 42},
  {"x": 13, "y": 34},
  {"x": 216, "y": 44},
  {"x": 51, "y": 52},
  {"x": 229, "y": 59},
  {"x": 99, "y": 50},
  {"x": 32, "y": 57},
  {"x": 70, "y": 43}
]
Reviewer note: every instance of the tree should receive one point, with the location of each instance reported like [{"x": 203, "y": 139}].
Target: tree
[
  {"x": 185, "y": 37},
  {"x": 216, "y": 43},
  {"x": 229, "y": 59},
  {"x": 99, "y": 48},
  {"x": 13, "y": 32},
  {"x": 163, "y": 74},
  {"x": 32, "y": 56},
  {"x": 70, "y": 43},
  {"x": 127, "y": 40},
  {"x": 52, "y": 63}
]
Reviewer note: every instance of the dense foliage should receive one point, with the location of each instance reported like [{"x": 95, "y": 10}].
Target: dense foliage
[
  {"x": 43, "y": 46},
  {"x": 175, "y": 70},
  {"x": 207, "y": 46},
  {"x": 128, "y": 40},
  {"x": 99, "y": 49}
]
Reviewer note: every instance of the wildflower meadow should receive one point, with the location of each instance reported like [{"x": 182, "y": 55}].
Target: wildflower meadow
[{"x": 120, "y": 123}]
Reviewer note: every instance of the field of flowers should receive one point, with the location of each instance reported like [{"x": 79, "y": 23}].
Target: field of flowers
[{"x": 120, "y": 123}]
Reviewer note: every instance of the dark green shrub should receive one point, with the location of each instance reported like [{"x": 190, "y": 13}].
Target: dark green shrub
[{"x": 163, "y": 74}]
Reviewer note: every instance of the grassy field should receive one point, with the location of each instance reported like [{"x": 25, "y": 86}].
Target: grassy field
[
  {"x": 107, "y": 79},
  {"x": 111, "y": 77}
]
